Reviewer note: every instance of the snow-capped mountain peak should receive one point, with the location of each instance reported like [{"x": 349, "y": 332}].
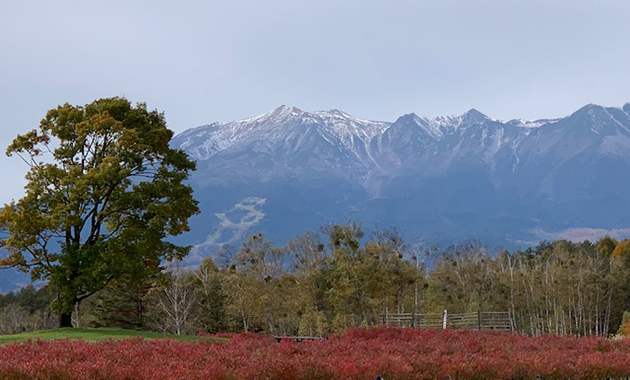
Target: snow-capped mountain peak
[
  {"x": 363, "y": 139},
  {"x": 473, "y": 116},
  {"x": 348, "y": 131},
  {"x": 285, "y": 111},
  {"x": 441, "y": 126}
]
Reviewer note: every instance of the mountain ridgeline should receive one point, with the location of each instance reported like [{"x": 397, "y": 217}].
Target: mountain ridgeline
[{"x": 444, "y": 179}]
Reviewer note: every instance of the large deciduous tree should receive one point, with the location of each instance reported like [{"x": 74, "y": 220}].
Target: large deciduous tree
[{"x": 104, "y": 192}]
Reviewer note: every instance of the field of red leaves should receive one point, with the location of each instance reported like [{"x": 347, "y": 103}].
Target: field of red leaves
[{"x": 358, "y": 354}]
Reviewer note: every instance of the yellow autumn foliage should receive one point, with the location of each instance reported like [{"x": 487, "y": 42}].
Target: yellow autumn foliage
[{"x": 622, "y": 249}]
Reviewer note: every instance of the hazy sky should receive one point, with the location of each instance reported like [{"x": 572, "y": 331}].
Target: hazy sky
[{"x": 205, "y": 61}]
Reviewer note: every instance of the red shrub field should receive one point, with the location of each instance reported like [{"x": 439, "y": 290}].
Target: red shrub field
[{"x": 358, "y": 354}]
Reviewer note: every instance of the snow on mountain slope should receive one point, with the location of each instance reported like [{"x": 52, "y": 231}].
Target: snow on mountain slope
[
  {"x": 334, "y": 126},
  {"x": 451, "y": 177},
  {"x": 290, "y": 142}
]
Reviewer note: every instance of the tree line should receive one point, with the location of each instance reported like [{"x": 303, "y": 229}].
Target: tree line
[{"x": 334, "y": 279}]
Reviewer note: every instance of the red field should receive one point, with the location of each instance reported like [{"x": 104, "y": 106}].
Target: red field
[{"x": 358, "y": 354}]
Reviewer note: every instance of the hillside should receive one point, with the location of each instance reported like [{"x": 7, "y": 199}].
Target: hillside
[{"x": 444, "y": 179}]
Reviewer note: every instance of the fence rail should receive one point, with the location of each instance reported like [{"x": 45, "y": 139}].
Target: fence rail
[{"x": 481, "y": 320}]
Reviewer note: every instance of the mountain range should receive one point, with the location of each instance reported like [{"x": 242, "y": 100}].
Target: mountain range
[
  {"x": 436, "y": 180},
  {"x": 444, "y": 180}
]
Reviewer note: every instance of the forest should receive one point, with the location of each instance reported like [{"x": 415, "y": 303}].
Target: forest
[{"x": 335, "y": 279}]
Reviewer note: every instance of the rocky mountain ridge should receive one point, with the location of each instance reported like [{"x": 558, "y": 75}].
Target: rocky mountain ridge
[{"x": 452, "y": 177}]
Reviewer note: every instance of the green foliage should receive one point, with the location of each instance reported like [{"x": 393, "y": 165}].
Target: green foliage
[
  {"x": 213, "y": 299},
  {"x": 29, "y": 297},
  {"x": 26, "y": 310},
  {"x": 313, "y": 323},
  {"x": 605, "y": 246},
  {"x": 94, "y": 335},
  {"x": 254, "y": 284},
  {"x": 312, "y": 288},
  {"x": 365, "y": 282},
  {"x": 121, "y": 304},
  {"x": 104, "y": 191}
]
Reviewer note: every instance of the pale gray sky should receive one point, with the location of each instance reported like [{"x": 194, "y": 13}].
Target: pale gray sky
[{"x": 205, "y": 61}]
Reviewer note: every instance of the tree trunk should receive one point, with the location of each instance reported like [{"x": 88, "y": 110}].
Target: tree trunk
[{"x": 65, "y": 320}]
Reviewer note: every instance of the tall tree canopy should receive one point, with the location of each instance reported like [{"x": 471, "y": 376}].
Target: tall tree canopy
[{"x": 104, "y": 191}]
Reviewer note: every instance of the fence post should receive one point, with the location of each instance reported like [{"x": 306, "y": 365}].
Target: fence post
[
  {"x": 479, "y": 324},
  {"x": 444, "y": 319}
]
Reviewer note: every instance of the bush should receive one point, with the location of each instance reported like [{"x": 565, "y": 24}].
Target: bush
[{"x": 358, "y": 354}]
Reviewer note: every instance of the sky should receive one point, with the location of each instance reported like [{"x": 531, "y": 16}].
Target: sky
[{"x": 204, "y": 61}]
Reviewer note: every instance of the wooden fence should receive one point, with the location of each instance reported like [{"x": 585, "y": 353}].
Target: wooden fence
[{"x": 481, "y": 320}]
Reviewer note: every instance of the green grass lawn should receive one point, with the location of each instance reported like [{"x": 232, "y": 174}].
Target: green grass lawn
[{"x": 93, "y": 335}]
